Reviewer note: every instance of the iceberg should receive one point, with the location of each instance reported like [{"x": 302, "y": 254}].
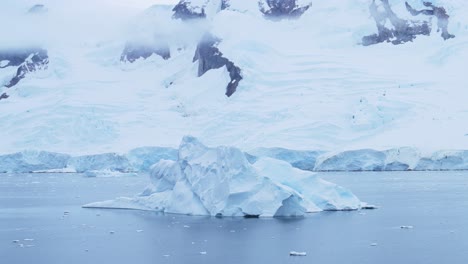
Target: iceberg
[{"x": 221, "y": 182}]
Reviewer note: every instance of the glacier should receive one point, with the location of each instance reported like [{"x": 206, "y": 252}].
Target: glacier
[
  {"x": 308, "y": 84},
  {"x": 221, "y": 182},
  {"x": 140, "y": 160},
  {"x": 29, "y": 161}
]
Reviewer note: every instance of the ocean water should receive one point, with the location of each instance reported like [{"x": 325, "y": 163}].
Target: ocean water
[{"x": 41, "y": 221}]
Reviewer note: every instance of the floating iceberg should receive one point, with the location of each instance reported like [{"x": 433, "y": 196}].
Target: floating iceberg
[{"x": 221, "y": 182}]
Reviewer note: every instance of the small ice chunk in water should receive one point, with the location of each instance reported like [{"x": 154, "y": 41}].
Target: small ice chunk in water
[
  {"x": 406, "y": 227},
  {"x": 373, "y": 244},
  {"x": 111, "y": 232},
  {"x": 366, "y": 206},
  {"x": 15, "y": 241},
  {"x": 296, "y": 253},
  {"x": 139, "y": 231},
  {"x": 186, "y": 226},
  {"x": 203, "y": 253},
  {"x": 28, "y": 239}
]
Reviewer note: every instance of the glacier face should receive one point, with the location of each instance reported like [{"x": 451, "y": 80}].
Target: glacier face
[
  {"x": 221, "y": 182},
  {"x": 141, "y": 159},
  {"x": 307, "y": 83},
  {"x": 28, "y": 161}
]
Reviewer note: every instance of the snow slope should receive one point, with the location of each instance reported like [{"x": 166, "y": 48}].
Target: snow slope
[{"x": 307, "y": 83}]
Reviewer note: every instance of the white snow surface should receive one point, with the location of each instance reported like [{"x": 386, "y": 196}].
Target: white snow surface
[
  {"x": 220, "y": 181},
  {"x": 308, "y": 84}
]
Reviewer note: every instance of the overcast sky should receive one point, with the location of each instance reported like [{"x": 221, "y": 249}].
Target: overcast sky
[{"x": 142, "y": 3}]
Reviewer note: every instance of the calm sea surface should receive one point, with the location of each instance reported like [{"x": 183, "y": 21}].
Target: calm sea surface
[{"x": 41, "y": 221}]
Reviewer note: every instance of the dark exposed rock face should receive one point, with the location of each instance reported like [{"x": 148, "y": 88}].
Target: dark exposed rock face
[
  {"x": 209, "y": 57},
  {"x": 185, "y": 11},
  {"x": 281, "y": 9},
  {"x": 133, "y": 51},
  {"x": 402, "y": 31},
  {"x": 225, "y": 4},
  {"x": 4, "y": 96},
  {"x": 29, "y": 60},
  {"x": 439, "y": 13}
]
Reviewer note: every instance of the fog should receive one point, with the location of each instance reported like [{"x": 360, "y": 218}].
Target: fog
[{"x": 77, "y": 23}]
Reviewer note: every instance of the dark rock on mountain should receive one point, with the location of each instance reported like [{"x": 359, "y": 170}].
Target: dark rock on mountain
[
  {"x": 134, "y": 51},
  {"x": 185, "y": 11},
  {"x": 209, "y": 57},
  {"x": 225, "y": 4},
  {"x": 402, "y": 31},
  {"x": 439, "y": 13},
  {"x": 27, "y": 60},
  {"x": 4, "y": 96},
  {"x": 15, "y": 57},
  {"x": 281, "y": 9}
]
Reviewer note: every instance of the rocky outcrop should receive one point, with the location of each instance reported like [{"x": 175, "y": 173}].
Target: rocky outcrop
[
  {"x": 209, "y": 57},
  {"x": 281, "y": 9},
  {"x": 435, "y": 11},
  {"x": 401, "y": 31},
  {"x": 135, "y": 51},
  {"x": 27, "y": 61},
  {"x": 225, "y": 4},
  {"x": 185, "y": 10}
]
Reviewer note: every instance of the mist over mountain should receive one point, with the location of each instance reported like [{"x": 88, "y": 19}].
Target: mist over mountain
[{"x": 99, "y": 76}]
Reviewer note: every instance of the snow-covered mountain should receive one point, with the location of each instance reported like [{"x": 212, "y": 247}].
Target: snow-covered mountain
[{"x": 115, "y": 78}]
